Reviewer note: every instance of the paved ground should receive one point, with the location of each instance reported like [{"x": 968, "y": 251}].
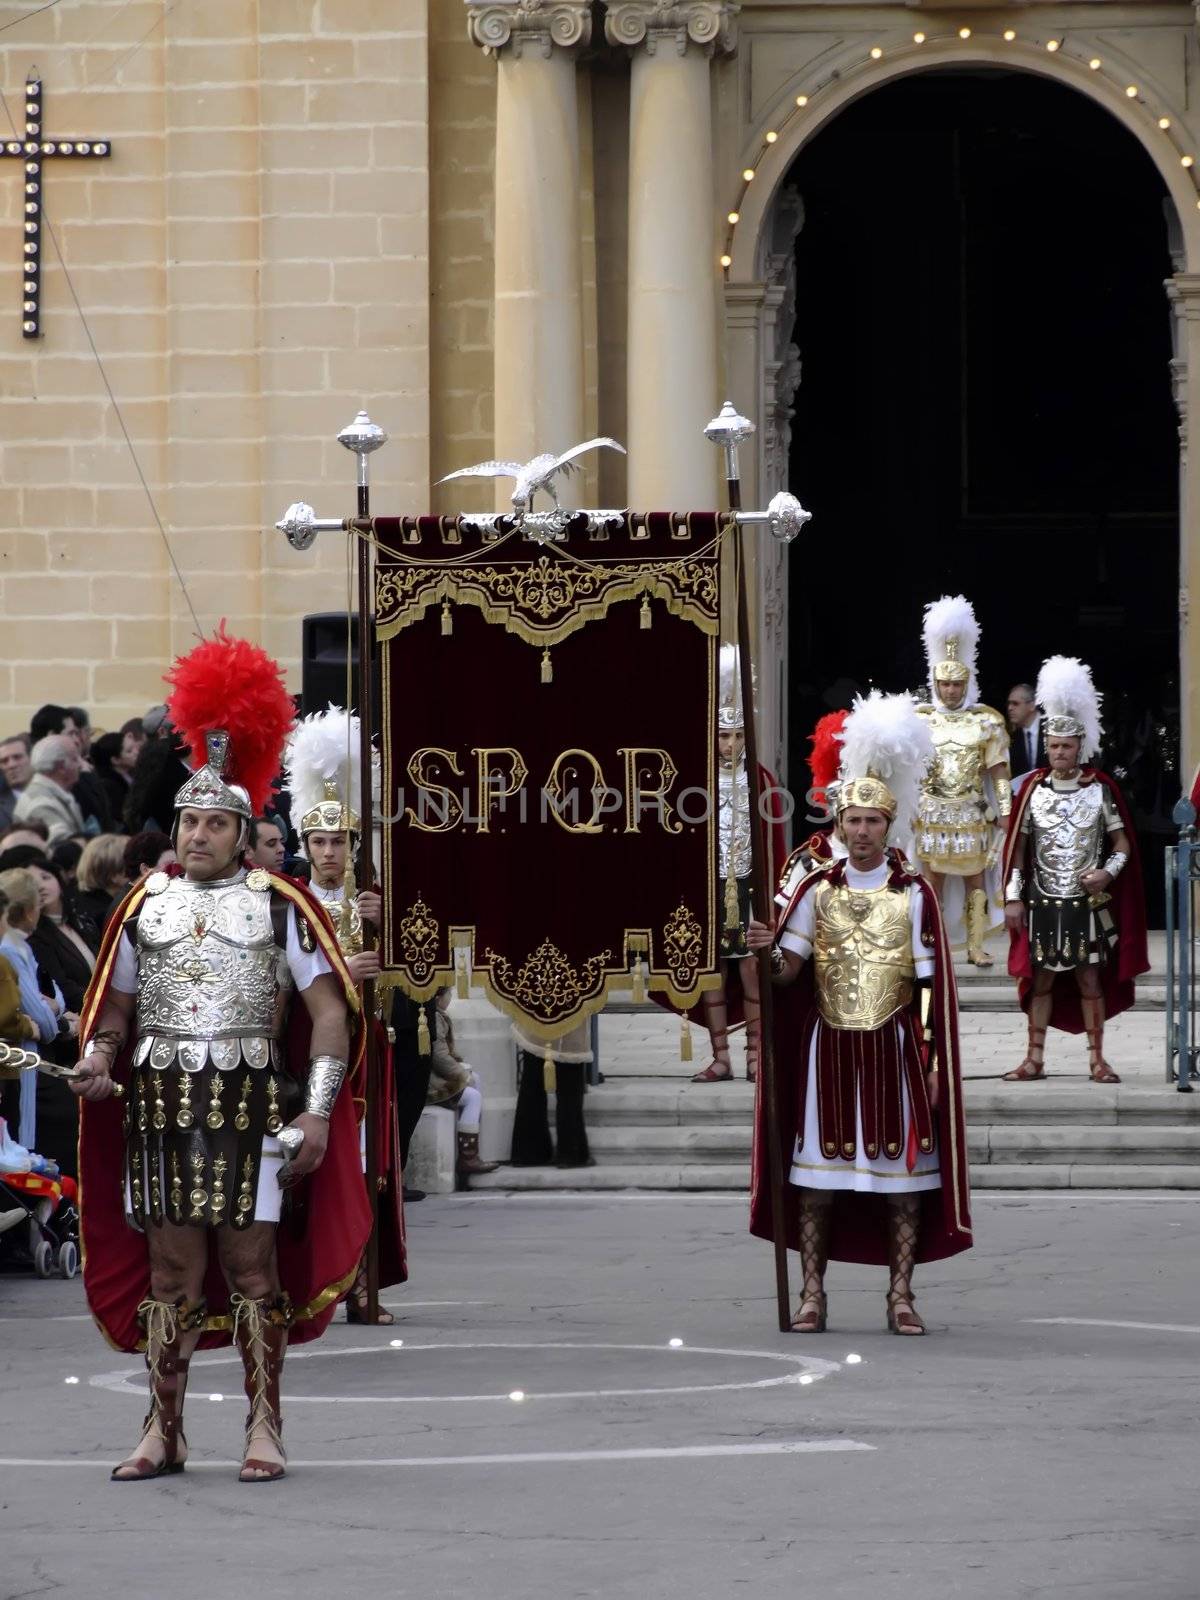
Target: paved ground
[{"x": 1002, "y": 1456}]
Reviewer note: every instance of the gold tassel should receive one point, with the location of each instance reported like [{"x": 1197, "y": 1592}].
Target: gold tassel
[
  {"x": 732, "y": 919},
  {"x": 460, "y": 968},
  {"x": 646, "y": 619},
  {"x": 639, "y": 982},
  {"x": 447, "y": 620},
  {"x": 424, "y": 1047},
  {"x": 685, "y": 1038},
  {"x": 549, "y": 1074},
  {"x": 547, "y": 667}
]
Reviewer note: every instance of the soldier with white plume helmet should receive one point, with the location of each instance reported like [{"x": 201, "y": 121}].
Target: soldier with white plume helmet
[
  {"x": 966, "y": 795},
  {"x": 1073, "y": 888}
]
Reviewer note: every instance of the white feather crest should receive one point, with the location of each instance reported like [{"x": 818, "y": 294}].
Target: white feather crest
[
  {"x": 325, "y": 745},
  {"x": 886, "y": 737},
  {"x": 952, "y": 617},
  {"x": 1065, "y": 689},
  {"x": 729, "y": 697}
]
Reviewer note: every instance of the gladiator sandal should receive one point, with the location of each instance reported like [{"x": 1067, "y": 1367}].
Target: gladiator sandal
[
  {"x": 753, "y": 1039},
  {"x": 815, "y": 1216},
  {"x": 260, "y": 1330},
  {"x": 1034, "y": 1065},
  {"x": 165, "y": 1324},
  {"x": 1093, "y": 1021},
  {"x": 356, "y": 1300},
  {"x": 977, "y": 909},
  {"x": 904, "y": 1223},
  {"x": 719, "y": 1069}
]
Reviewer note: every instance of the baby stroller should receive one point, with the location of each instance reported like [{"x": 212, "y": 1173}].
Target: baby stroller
[{"x": 41, "y": 1224}]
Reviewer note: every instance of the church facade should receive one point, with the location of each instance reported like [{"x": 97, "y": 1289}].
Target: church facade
[{"x": 501, "y": 228}]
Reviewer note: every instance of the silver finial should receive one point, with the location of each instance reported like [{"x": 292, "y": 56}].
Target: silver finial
[
  {"x": 362, "y": 435},
  {"x": 299, "y": 525},
  {"x": 786, "y": 516},
  {"x": 729, "y": 427}
]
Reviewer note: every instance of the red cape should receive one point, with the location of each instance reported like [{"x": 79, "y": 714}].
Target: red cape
[
  {"x": 325, "y": 1225},
  {"x": 393, "y": 1237},
  {"x": 1128, "y": 907},
  {"x": 859, "y": 1225}
]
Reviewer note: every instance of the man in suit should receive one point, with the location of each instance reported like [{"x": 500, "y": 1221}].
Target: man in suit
[{"x": 1027, "y": 743}]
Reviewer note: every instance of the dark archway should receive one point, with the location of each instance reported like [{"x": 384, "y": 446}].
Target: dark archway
[{"x": 985, "y": 401}]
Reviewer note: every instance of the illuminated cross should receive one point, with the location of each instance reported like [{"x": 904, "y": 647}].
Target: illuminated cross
[{"x": 33, "y": 150}]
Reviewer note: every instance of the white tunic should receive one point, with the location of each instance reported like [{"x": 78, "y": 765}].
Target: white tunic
[{"x": 883, "y": 1174}]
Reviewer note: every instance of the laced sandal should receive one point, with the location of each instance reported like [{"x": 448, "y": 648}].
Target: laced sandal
[
  {"x": 356, "y": 1303},
  {"x": 902, "y": 1316},
  {"x": 1093, "y": 1016},
  {"x": 1034, "y": 1066},
  {"x": 164, "y": 1324},
  {"x": 811, "y": 1314},
  {"x": 260, "y": 1329},
  {"x": 711, "y": 1075}
]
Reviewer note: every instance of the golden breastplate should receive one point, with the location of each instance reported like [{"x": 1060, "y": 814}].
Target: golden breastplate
[
  {"x": 862, "y": 955},
  {"x": 957, "y": 770}
]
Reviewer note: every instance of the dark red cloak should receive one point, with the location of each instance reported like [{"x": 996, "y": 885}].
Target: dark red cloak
[
  {"x": 325, "y": 1224},
  {"x": 859, "y": 1225},
  {"x": 1128, "y": 907}
]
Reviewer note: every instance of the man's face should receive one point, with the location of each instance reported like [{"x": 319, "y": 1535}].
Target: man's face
[
  {"x": 1021, "y": 708},
  {"x": 1062, "y": 754},
  {"x": 268, "y": 851},
  {"x": 127, "y": 758},
  {"x": 77, "y": 735},
  {"x": 951, "y": 694},
  {"x": 67, "y": 772},
  {"x": 14, "y": 764},
  {"x": 730, "y": 747},
  {"x": 865, "y": 833},
  {"x": 207, "y": 843},
  {"x": 327, "y": 852}
]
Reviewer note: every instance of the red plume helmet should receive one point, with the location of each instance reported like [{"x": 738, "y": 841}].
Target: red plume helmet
[
  {"x": 230, "y": 688},
  {"x": 823, "y": 763}
]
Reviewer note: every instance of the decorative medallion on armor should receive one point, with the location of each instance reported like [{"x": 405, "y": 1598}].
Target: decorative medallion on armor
[{"x": 862, "y": 955}]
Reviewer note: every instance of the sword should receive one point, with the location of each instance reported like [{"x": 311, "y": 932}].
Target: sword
[{"x": 26, "y": 1061}]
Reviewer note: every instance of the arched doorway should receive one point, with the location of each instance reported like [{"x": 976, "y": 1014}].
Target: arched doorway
[{"x": 985, "y": 402}]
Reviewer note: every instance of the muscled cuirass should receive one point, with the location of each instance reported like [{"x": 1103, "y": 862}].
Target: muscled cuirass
[
  {"x": 862, "y": 954},
  {"x": 345, "y": 916},
  {"x": 1068, "y": 829},
  {"x": 733, "y": 819},
  {"x": 960, "y": 741},
  {"x": 213, "y": 983}
]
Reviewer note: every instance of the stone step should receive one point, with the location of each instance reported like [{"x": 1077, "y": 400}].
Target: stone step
[
  {"x": 991, "y": 1143},
  {"x": 606, "y": 1178}
]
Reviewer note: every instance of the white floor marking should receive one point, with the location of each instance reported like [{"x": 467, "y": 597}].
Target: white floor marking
[
  {"x": 132, "y": 1381},
  {"x": 784, "y": 1447},
  {"x": 1105, "y": 1322}
]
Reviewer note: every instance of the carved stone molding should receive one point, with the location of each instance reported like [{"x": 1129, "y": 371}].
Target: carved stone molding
[
  {"x": 710, "y": 24},
  {"x": 534, "y": 25}
]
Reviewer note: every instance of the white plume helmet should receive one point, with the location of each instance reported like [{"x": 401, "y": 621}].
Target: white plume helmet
[
  {"x": 729, "y": 702},
  {"x": 951, "y": 642},
  {"x": 323, "y": 764},
  {"x": 886, "y": 748},
  {"x": 1071, "y": 701}
]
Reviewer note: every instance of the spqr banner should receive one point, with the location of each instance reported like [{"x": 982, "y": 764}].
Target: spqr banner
[{"x": 548, "y": 733}]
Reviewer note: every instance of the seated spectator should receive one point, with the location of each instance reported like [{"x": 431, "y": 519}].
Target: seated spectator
[
  {"x": 144, "y": 853},
  {"x": 47, "y": 796},
  {"x": 65, "y": 957},
  {"x": 453, "y": 1084},
  {"x": 15, "y": 773},
  {"x": 22, "y": 914},
  {"x": 65, "y": 856},
  {"x": 99, "y": 877},
  {"x": 34, "y": 832},
  {"x": 266, "y": 847},
  {"x": 93, "y": 804}
]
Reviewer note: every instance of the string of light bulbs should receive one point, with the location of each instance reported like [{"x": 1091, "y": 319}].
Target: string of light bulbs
[{"x": 1054, "y": 45}]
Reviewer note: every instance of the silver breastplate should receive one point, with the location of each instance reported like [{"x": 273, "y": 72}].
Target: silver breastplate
[
  {"x": 212, "y": 982},
  {"x": 733, "y": 820},
  {"x": 1067, "y": 831}
]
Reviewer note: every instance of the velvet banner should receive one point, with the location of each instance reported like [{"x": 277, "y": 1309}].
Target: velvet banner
[{"x": 548, "y": 717}]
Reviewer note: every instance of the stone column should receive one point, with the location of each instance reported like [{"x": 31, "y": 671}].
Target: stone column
[
  {"x": 538, "y": 336},
  {"x": 674, "y": 383},
  {"x": 1183, "y": 291}
]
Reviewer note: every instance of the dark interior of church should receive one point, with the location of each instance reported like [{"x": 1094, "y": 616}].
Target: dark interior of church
[{"x": 985, "y": 405}]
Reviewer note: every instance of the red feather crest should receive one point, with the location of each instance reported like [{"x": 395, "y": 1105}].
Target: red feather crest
[
  {"x": 826, "y": 741},
  {"x": 232, "y": 684}
]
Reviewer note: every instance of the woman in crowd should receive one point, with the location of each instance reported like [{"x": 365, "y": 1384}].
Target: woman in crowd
[{"x": 100, "y": 878}]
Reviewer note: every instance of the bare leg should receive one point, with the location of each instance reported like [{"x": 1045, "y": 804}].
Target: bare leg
[
  {"x": 261, "y": 1317},
  {"x": 716, "y": 1019},
  {"x": 1034, "y": 1064},
  {"x": 904, "y": 1226},
  {"x": 748, "y": 972},
  {"x": 1091, "y": 1001},
  {"x": 171, "y": 1320},
  {"x": 816, "y": 1211}
]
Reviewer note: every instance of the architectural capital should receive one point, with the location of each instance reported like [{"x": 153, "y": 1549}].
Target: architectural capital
[
  {"x": 533, "y": 25},
  {"x": 673, "y": 24}
]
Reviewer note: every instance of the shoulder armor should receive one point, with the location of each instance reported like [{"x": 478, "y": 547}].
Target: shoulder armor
[
  {"x": 157, "y": 882},
  {"x": 786, "y": 870},
  {"x": 258, "y": 879},
  {"x": 989, "y": 711}
]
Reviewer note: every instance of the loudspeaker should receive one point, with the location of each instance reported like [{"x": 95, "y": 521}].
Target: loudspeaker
[{"x": 323, "y": 654}]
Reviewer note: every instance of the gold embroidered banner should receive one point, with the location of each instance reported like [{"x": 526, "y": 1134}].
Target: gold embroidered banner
[{"x": 549, "y": 735}]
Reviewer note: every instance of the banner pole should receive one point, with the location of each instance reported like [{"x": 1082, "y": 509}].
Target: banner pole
[
  {"x": 363, "y": 437},
  {"x": 728, "y": 430}
]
